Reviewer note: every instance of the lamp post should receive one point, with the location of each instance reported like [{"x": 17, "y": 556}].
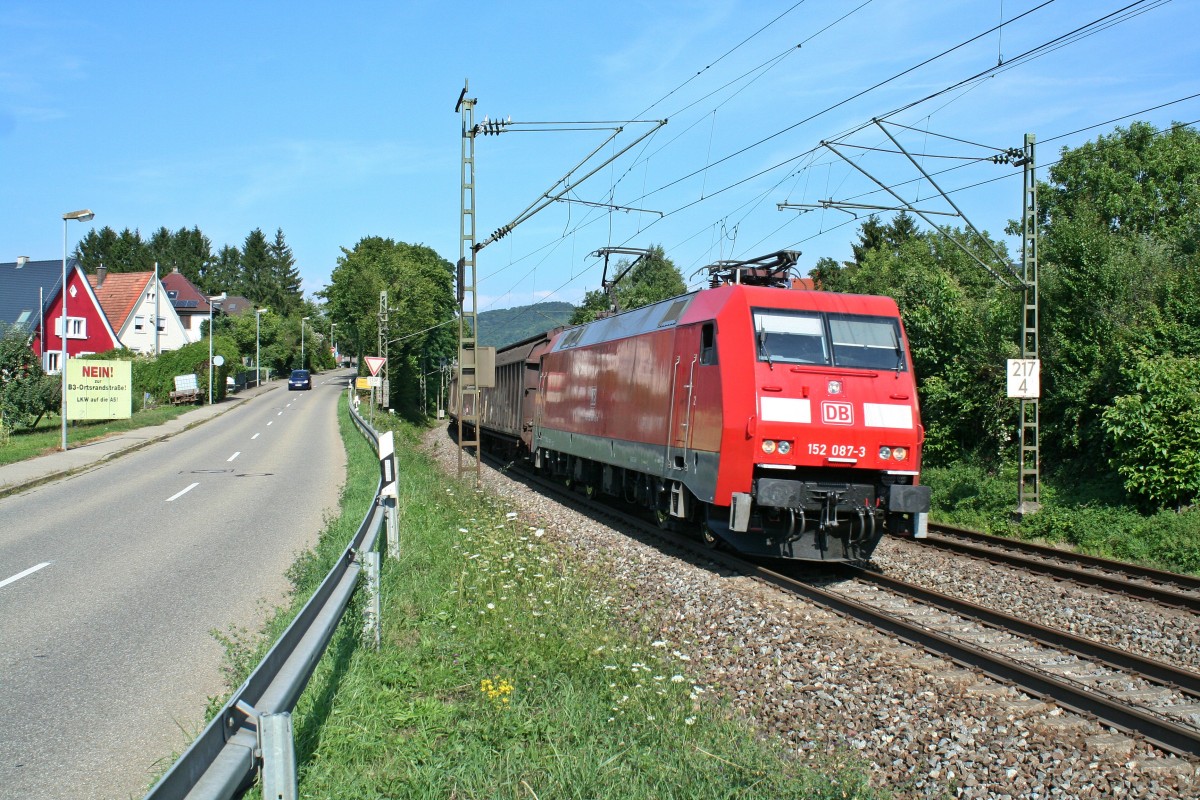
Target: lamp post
[
  {"x": 82, "y": 216},
  {"x": 302, "y": 321},
  {"x": 332, "y": 344},
  {"x": 258, "y": 312},
  {"x": 211, "y": 302}
]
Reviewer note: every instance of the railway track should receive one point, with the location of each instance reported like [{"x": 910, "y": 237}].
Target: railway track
[
  {"x": 1156, "y": 701},
  {"x": 1164, "y": 588},
  {"x": 1150, "y": 698}
]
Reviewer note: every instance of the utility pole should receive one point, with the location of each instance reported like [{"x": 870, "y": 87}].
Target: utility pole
[
  {"x": 468, "y": 388},
  {"x": 381, "y": 350},
  {"x": 1028, "y": 491},
  {"x": 1024, "y": 373},
  {"x": 476, "y": 365},
  {"x": 424, "y": 394}
]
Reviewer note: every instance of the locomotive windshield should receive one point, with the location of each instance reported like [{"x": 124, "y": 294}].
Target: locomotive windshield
[{"x": 841, "y": 340}]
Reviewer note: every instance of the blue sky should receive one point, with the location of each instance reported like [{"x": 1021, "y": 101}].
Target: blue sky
[{"x": 338, "y": 123}]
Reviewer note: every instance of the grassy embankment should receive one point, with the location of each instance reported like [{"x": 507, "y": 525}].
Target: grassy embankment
[
  {"x": 46, "y": 437},
  {"x": 503, "y": 673}
]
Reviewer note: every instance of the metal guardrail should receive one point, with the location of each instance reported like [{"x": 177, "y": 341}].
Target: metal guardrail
[{"x": 255, "y": 724}]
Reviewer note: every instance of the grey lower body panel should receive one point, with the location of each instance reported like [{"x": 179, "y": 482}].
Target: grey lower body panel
[{"x": 699, "y": 472}]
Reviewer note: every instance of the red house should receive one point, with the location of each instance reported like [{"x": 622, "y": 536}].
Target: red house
[{"x": 88, "y": 330}]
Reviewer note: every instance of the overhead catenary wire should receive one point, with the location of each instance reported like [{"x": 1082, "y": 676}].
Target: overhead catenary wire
[
  {"x": 1042, "y": 140},
  {"x": 500, "y": 232},
  {"x": 1105, "y": 21},
  {"x": 722, "y": 57},
  {"x": 852, "y": 97},
  {"x": 1078, "y": 33}
]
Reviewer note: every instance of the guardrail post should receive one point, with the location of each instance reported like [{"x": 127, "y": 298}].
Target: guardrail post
[
  {"x": 388, "y": 492},
  {"x": 278, "y": 755},
  {"x": 391, "y": 513},
  {"x": 371, "y": 625}
]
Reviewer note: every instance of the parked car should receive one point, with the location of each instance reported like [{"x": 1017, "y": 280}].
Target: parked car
[{"x": 300, "y": 379}]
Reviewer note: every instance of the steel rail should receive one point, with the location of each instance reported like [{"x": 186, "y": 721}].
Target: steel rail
[
  {"x": 221, "y": 762},
  {"x": 1012, "y": 552},
  {"x": 1184, "y": 680},
  {"x": 1160, "y": 732}
]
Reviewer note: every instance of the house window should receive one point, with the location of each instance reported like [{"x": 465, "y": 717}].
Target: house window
[
  {"x": 139, "y": 323},
  {"x": 162, "y": 324},
  {"x": 50, "y": 360},
  {"x": 76, "y": 327}
]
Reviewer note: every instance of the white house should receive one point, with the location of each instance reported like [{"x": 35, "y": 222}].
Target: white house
[{"x": 132, "y": 301}]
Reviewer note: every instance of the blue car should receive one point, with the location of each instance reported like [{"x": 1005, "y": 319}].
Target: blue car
[{"x": 300, "y": 380}]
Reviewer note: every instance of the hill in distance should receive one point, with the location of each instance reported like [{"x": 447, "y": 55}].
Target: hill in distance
[{"x": 507, "y": 325}]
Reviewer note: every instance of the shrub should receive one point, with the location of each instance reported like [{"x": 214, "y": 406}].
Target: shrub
[
  {"x": 156, "y": 376},
  {"x": 26, "y": 392},
  {"x": 1155, "y": 432},
  {"x": 1168, "y": 539}
]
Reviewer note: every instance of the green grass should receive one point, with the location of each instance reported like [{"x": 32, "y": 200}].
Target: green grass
[
  {"x": 504, "y": 673},
  {"x": 46, "y": 437},
  {"x": 1087, "y": 512}
]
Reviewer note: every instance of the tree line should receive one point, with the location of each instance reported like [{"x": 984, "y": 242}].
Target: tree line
[
  {"x": 263, "y": 271},
  {"x": 396, "y": 300},
  {"x": 1119, "y": 229}
]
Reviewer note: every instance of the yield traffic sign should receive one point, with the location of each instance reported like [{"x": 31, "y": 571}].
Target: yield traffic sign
[{"x": 374, "y": 363}]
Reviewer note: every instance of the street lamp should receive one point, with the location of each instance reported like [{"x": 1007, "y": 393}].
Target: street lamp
[
  {"x": 82, "y": 216},
  {"x": 211, "y": 301},
  {"x": 302, "y": 321},
  {"x": 258, "y": 312},
  {"x": 332, "y": 344}
]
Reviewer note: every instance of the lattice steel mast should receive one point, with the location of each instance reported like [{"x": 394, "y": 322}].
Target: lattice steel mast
[
  {"x": 468, "y": 390},
  {"x": 1029, "y": 490}
]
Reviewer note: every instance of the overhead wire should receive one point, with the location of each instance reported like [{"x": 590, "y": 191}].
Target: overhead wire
[
  {"x": 764, "y": 67},
  {"x": 1042, "y": 141},
  {"x": 855, "y": 96},
  {"x": 1078, "y": 34},
  {"x": 1095, "y": 26},
  {"x": 1103, "y": 23},
  {"x": 722, "y": 57},
  {"x": 768, "y": 64}
]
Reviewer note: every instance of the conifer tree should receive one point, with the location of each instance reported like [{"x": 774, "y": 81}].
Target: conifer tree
[
  {"x": 225, "y": 273},
  {"x": 286, "y": 279},
  {"x": 258, "y": 274}
]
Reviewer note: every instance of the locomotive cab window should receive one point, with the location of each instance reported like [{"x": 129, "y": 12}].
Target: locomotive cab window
[
  {"x": 708, "y": 344},
  {"x": 842, "y": 340},
  {"x": 866, "y": 342},
  {"x": 790, "y": 337}
]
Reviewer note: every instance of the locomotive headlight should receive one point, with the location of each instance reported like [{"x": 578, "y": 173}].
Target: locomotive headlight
[
  {"x": 885, "y": 453},
  {"x": 900, "y": 453},
  {"x": 768, "y": 446},
  {"x": 785, "y": 448}
]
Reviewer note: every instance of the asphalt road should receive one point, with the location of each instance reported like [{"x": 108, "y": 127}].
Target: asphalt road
[{"x": 106, "y": 651}]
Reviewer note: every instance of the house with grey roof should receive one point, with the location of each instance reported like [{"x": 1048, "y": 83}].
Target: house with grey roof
[{"x": 31, "y": 300}]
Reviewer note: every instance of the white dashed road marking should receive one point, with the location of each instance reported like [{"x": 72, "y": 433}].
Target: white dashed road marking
[
  {"x": 20, "y": 575},
  {"x": 181, "y": 494}
]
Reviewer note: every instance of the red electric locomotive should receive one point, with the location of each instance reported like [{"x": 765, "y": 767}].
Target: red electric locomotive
[{"x": 783, "y": 422}]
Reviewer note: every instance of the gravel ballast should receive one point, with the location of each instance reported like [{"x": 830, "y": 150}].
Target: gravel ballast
[{"x": 829, "y": 687}]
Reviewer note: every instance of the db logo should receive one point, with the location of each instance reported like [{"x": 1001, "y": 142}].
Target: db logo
[{"x": 837, "y": 413}]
